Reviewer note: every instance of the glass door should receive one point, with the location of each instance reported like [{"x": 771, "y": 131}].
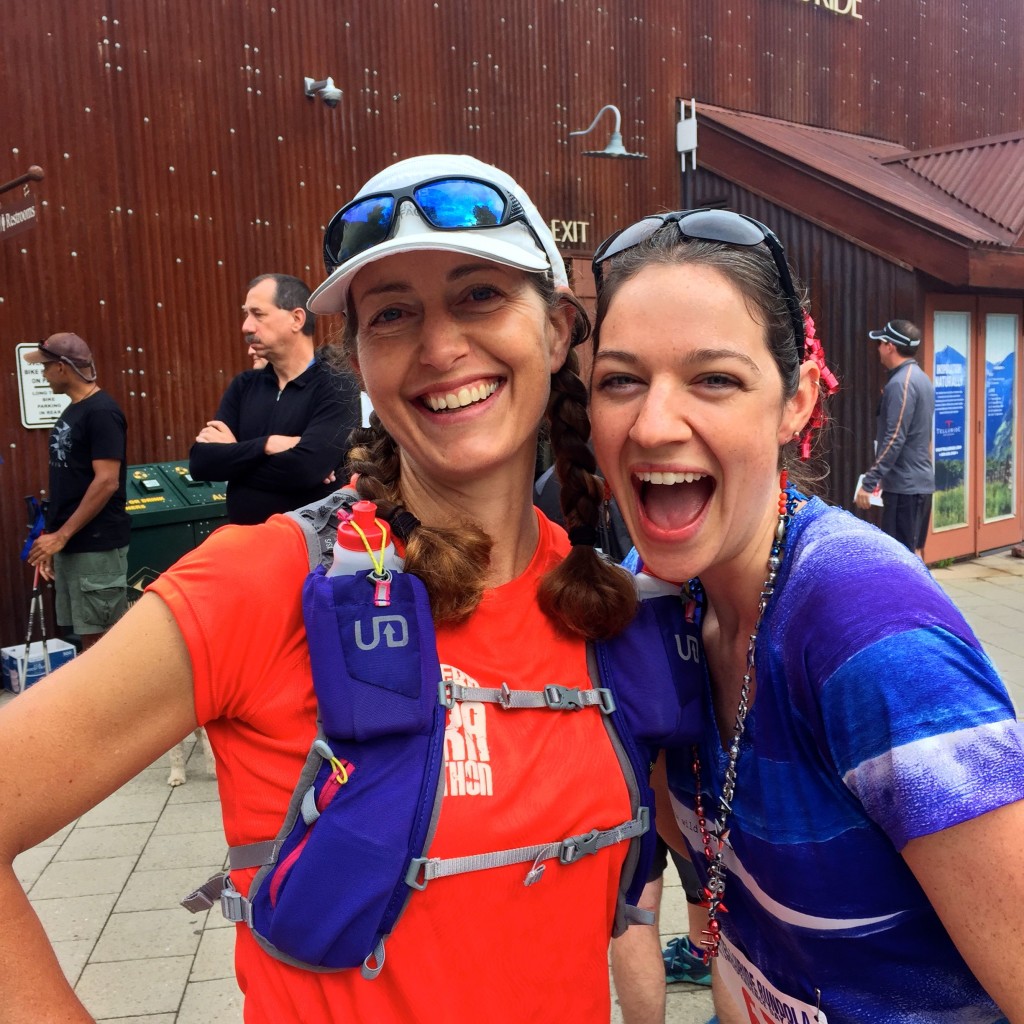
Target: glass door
[
  {"x": 972, "y": 351},
  {"x": 951, "y": 373},
  {"x": 999, "y": 480}
]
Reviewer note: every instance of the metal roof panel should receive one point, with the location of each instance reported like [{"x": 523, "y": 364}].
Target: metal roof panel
[{"x": 986, "y": 207}]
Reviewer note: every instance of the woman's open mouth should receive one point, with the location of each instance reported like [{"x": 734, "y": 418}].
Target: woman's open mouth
[{"x": 672, "y": 501}]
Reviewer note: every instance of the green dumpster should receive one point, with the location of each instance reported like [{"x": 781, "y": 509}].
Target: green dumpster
[{"x": 170, "y": 515}]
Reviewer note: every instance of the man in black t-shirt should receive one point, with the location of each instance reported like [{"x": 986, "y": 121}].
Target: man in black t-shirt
[{"x": 84, "y": 548}]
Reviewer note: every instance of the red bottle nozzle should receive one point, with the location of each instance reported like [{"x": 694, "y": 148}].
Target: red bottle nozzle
[{"x": 364, "y": 515}]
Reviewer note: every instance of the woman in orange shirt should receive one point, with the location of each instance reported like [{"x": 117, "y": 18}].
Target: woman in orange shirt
[{"x": 461, "y": 331}]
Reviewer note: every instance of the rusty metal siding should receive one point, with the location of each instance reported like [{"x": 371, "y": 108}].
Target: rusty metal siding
[{"x": 182, "y": 159}]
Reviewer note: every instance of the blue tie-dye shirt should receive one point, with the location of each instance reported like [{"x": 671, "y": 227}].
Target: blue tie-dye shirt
[{"x": 877, "y": 719}]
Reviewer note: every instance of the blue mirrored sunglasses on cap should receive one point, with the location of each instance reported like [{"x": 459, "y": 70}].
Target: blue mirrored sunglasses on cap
[
  {"x": 709, "y": 226},
  {"x": 446, "y": 204}
]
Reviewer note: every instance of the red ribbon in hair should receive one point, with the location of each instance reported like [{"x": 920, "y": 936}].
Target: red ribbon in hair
[{"x": 816, "y": 354}]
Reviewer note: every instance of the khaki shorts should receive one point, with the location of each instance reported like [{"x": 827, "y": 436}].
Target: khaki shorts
[{"x": 91, "y": 589}]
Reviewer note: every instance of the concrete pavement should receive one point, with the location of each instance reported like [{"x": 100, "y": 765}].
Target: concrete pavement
[{"x": 107, "y": 886}]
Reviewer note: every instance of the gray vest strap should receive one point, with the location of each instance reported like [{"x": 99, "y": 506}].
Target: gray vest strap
[
  {"x": 219, "y": 888},
  {"x": 319, "y": 516},
  {"x": 254, "y": 855},
  {"x": 557, "y": 698},
  {"x": 566, "y": 851},
  {"x": 206, "y": 895},
  {"x": 634, "y": 915}
]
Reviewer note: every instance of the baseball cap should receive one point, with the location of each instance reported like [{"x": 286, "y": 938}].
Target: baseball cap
[
  {"x": 517, "y": 237},
  {"x": 891, "y": 333},
  {"x": 64, "y": 347}
]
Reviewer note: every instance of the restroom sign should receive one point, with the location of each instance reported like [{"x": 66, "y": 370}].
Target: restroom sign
[{"x": 17, "y": 216}]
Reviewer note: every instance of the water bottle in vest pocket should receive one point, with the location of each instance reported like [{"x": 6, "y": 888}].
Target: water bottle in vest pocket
[{"x": 363, "y": 808}]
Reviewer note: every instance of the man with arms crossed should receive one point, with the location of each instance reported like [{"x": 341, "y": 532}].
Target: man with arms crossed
[{"x": 280, "y": 431}]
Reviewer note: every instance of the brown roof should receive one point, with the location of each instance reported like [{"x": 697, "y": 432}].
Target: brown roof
[
  {"x": 986, "y": 175},
  {"x": 973, "y": 191}
]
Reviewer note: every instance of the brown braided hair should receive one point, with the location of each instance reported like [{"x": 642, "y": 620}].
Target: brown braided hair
[
  {"x": 585, "y": 595},
  {"x": 450, "y": 561}
]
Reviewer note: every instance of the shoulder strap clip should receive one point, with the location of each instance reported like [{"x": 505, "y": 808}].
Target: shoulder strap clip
[{"x": 234, "y": 906}]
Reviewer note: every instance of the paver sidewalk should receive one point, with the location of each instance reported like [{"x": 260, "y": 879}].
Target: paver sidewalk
[
  {"x": 107, "y": 887},
  {"x": 107, "y": 890}
]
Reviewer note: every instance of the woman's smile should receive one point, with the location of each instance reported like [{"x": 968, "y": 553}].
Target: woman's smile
[{"x": 459, "y": 397}]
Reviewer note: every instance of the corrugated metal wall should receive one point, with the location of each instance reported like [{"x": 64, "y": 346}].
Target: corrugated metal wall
[{"x": 182, "y": 158}]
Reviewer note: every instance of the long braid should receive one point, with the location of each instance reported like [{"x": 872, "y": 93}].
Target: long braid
[
  {"x": 451, "y": 562},
  {"x": 374, "y": 456},
  {"x": 585, "y": 594}
]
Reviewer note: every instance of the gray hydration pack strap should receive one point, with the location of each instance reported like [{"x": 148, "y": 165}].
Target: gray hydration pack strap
[
  {"x": 565, "y": 851},
  {"x": 557, "y": 698},
  {"x": 625, "y": 913},
  {"x": 235, "y": 907},
  {"x": 319, "y": 524},
  {"x": 218, "y": 887}
]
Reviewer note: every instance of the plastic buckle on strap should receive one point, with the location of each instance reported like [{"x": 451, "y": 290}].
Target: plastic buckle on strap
[
  {"x": 562, "y": 697},
  {"x": 644, "y": 817},
  {"x": 416, "y": 875},
  {"x": 607, "y": 700},
  {"x": 505, "y": 696},
  {"x": 444, "y": 694},
  {"x": 235, "y": 907},
  {"x": 579, "y": 846}
]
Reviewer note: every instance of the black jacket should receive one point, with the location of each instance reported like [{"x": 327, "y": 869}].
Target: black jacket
[{"x": 321, "y": 405}]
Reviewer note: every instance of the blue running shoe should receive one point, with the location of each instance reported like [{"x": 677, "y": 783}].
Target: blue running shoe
[{"x": 683, "y": 965}]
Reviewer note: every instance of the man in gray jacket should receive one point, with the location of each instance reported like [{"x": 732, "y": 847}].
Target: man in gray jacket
[{"x": 903, "y": 440}]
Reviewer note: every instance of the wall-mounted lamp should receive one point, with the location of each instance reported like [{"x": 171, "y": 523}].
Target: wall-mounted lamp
[
  {"x": 329, "y": 92},
  {"x": 615, "y": 148}
]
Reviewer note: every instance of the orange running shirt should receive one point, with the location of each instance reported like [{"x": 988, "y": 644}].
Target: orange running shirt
[{"x": 479, "y": 947}]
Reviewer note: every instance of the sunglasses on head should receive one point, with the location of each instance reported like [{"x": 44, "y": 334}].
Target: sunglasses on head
[
  {"x": 54, "y": 356},
  {"x": 446, "y": 204},
  {"x": 709, "y": 226}
]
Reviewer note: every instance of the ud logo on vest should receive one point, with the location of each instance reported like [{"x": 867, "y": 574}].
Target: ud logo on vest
[
  {"x": 692, "y": 652},
  {"x": 386, "y": 625}
]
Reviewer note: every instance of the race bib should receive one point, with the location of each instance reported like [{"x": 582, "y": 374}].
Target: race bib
[{"x": 757, "y": 996}]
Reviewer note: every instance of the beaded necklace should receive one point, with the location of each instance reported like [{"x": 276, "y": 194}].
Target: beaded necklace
[{"x": 714, "y": 891}]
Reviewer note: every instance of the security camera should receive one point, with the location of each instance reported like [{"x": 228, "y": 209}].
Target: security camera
[
  {"x": 327, "y": 90},
  {"x": 330, "y": 93}
]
